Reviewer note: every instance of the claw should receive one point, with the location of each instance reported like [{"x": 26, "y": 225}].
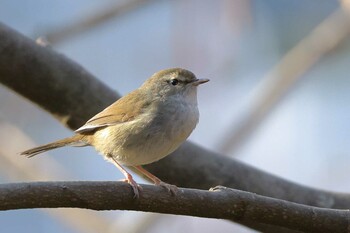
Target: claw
[
  {"x": 171, "y": 188},
  {"x": 137, "y": 189}
]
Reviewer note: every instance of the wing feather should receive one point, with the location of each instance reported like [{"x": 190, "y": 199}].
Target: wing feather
[{"x": 123, "y": 110}]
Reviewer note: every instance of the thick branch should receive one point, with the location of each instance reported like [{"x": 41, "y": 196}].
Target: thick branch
[
  {"x": 222, "y": 203},
  {"x": 43, "y": 76}
]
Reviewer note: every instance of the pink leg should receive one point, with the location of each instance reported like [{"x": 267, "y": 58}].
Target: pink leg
[
  {"x": 136, "y": 188},
  {"x": 156, "y": 180}
]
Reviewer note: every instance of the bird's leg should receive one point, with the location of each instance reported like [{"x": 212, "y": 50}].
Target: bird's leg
[
  {"x": 128, "y": 178},
  {"x": 171, "y": 188}
]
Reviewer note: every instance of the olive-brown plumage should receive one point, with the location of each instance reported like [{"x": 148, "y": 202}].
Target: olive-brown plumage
[{"x": 143, "y": 126}]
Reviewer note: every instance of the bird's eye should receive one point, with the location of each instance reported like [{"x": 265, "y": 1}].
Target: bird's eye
[{"x": 174, "y": 82}]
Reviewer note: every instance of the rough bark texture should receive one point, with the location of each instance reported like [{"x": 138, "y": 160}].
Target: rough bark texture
[{"x": 222, "y": 203}]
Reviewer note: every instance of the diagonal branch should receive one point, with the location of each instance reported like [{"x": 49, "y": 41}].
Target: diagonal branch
[
  {"x": 43, "y": 75},
  {"x": 328, "y": 35},
  {"x": 101, "y": 16},
  {"x": 222, "y": 203}
]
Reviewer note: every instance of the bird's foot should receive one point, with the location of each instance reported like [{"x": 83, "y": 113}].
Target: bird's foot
[
  {"x": 171, "y": 188},
  {"x": 137, "y": 189}
]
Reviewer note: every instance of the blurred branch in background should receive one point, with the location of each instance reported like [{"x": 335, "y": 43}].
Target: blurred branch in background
[
  {"x": 280, "y": 80},
  {"x": 98, "y": 17},
  {"x": 52, "y": 71}
]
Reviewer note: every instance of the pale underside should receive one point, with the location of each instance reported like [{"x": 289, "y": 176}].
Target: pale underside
[{"x": 145, "y": 136}]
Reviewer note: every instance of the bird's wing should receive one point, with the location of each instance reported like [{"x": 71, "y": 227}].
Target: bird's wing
[{"x": 123, "y": 110}]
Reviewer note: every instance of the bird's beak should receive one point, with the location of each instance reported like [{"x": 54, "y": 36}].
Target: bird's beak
[{"x": 199, "y": 81}]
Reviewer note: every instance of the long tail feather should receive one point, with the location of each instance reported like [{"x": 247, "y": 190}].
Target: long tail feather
[{"x": 75, "y": 140}]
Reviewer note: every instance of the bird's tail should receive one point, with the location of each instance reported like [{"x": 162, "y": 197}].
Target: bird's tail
[{"x": 76, "y": 140}]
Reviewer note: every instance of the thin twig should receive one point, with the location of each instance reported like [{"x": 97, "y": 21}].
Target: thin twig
[
  {"x": 279, "y": 81},
  {"x": 93, "y": 20}
]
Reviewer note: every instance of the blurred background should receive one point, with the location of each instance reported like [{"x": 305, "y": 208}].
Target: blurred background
[{"x": 278, "y": 98}]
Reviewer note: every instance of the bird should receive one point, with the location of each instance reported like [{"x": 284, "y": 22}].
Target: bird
[{"x": 143, "y": 126}]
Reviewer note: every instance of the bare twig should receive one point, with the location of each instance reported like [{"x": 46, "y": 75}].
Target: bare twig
[
  {"x": 279, "y": 81},
  {"x": 112, "y": 11},
  {"x": 222, "y": 203}
]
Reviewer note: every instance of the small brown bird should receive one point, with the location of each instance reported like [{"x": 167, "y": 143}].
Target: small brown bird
[{"x": 143, "y": 126}]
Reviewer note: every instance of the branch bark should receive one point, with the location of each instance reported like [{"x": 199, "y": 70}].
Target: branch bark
[
  {"x": 43, "y": 76},
  {"x": 73, "y": 95},
  {"x": 222, "y": 203}
]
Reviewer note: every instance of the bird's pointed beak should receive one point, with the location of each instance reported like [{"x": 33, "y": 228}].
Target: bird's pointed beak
[{"x": 199, "y": 81}]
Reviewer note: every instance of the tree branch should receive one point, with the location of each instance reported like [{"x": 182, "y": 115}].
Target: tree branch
[
  {"x": 222, "y": 203},
  {"x": 43, "y": 76},
  {"x": 89, "y": 22},
  {"x": 323, "y": 39}
]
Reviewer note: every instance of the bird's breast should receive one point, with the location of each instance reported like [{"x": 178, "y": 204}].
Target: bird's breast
[
  {"x": 163, "y": 133},
  {"x": 152, "y": 136}
]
